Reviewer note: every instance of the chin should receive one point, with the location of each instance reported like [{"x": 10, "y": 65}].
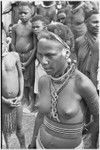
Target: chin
[{"x": 50, "y": 73}]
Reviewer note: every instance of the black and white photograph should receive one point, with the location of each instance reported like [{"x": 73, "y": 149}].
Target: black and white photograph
[{"x": 50, "y": 72}]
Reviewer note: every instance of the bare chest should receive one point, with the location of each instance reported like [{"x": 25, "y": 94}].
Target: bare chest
[
  {"x": 8, "y": 63},
  {"x": 67, "y": 102},
  {"x": 24, "y": 31}
]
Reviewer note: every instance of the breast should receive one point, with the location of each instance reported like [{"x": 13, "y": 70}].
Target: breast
[
  {"x": 69, "y": 106},
  {"x": 69, "y": 111}
]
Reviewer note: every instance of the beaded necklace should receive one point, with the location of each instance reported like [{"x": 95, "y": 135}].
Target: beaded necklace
[{"x": 55, "y": 92}]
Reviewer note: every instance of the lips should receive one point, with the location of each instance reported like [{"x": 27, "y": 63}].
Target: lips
[{"x": 48, "y": 70}]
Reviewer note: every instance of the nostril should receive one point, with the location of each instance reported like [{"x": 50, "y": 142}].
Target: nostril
[{"x": 44, "y": 60}]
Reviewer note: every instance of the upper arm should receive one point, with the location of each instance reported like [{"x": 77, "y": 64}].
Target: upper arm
[
  {"x": 18, "y": 64},
  {"x": 89, "y": 94},
  {"x": 14, "y": 35},
  {"x": 42, "y": 83}
]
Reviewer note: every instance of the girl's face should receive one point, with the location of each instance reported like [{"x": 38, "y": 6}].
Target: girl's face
[
  {"x": 37, "y": 26},
  {"x": 62, "y": 20},
  {"x": 25, "y": 13}
]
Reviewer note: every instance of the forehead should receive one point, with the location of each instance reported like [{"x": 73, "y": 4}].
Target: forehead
[
  {"x": 45, "y": 46},
  {"x": 94, "y": 17},
  {"x": 24, "y": 8},
  {"x": 38, "y": 22}
]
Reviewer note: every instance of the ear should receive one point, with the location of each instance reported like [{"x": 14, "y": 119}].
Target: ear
[{"x": 66, "y": 52}]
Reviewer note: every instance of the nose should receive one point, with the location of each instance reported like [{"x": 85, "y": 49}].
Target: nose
[
  {"x": 22, "y": 15},
  {"x": 35, "y": 29},
  {"x": 44, "y": 60}
]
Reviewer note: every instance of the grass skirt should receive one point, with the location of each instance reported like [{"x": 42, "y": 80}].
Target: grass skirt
[{"x": 9, "y": 119}]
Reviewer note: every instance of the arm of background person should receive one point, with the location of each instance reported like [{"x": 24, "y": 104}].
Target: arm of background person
[
  {"x": 38, "y": 122},
  {"x": 20, "y": 77},
  {"x": 13, "y": 41}
]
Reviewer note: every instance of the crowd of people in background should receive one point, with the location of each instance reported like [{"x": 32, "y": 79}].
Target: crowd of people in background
[{"x": 73, "y": 28}]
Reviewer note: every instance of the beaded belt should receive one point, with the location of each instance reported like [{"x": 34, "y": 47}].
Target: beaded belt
[{"x": 66, "y": 129}]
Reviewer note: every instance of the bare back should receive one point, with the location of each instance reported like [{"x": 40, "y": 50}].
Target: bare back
[{"x": 10, "y": 82}]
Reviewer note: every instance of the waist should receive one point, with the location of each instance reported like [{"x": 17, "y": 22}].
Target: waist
[
  {"x": 63, "y": 130},
  {"x": 51, "y": 138}
]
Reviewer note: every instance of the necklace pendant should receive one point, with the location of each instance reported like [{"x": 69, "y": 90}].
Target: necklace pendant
[{"x": 55, "y": 95}]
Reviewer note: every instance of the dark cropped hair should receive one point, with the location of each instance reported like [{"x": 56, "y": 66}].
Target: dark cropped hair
[
  {"x": 45, "y": 34},
  {"x": 45, "y": 20},
  {"x": 25, "y": 4},
  {"x": 64, "y": 32}
]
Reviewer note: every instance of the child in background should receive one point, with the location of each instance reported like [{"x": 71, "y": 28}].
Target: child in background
[
  {"x": 9, "y": 37},
  {"x": 24, "y": 43},
  {"x": 39, "y": 23},
  {"x": 12, "y": 93}
]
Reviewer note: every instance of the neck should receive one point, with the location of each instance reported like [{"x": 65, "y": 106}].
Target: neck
[
  {"x": 25, "y": 23},
  {"x": 61, "y": 72},
  {"x": 68, "y": 71}
]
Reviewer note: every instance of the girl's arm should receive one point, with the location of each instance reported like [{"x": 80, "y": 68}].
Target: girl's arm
[
  {"x": 13, "y": 41},
  {"x": 20, "y": 77}
]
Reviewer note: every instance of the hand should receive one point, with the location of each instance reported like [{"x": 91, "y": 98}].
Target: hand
[
  {"x": 32, "y": 147},
  {"x": 11, "y": 101},
  {"x": 17, "y": 101},
  {"x": 23, "y": 67},
  {"x": 33, "y": 144}
]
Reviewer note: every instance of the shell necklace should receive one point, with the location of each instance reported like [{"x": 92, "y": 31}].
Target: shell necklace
[{"x": 55, "y": 92}]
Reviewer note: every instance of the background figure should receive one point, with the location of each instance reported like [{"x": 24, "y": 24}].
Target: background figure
[
  {"x": 47, "y": 9},
  {"x": 12, "y": 94},
  {"x": 61, "y": 17},
  {"x": 87, "y": 48},
  {"x": 78, "y": 26},
  {"x": 92, "y": 21},
  {"x": 25, "y": 45},
  {"x": 39, "y": 23},
  {"x": 9, "y": 37},
  {"x": 65, "y": 14}
]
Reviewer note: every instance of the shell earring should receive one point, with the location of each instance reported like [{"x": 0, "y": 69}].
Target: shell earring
[{"x": 68, "y": 60}]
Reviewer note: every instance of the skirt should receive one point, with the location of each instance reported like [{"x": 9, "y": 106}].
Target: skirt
[
  {"x": 39, "y": 144},
  {"x": 9, "y": 119}
]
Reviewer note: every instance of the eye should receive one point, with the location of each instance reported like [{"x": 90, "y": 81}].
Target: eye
[{"x": 39, "y": 55}]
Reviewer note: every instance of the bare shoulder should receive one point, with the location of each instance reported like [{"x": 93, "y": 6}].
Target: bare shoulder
[
  {"x": 83, "y": 83},
  {"x": 15, "y": 26},
  {"x": 43, "y": 82},
  {"x": 15, "y": 54}
]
